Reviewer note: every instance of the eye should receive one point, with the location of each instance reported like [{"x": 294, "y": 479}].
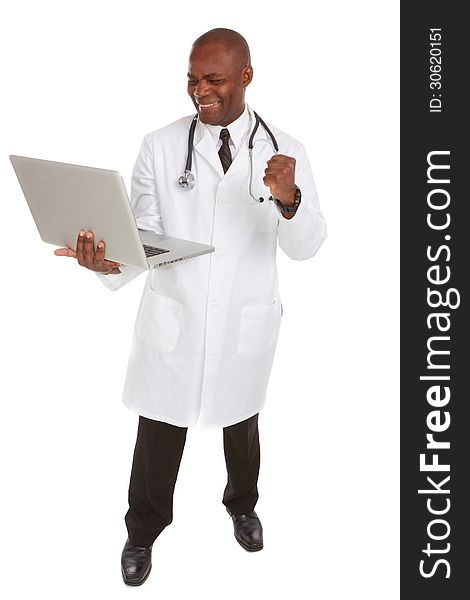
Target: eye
[
  {"x": 192, "y": 82},
  {"x": 216, "y": 81}
]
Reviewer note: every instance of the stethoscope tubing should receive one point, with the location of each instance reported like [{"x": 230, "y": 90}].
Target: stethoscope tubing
[{"x": 187, "y": 180}]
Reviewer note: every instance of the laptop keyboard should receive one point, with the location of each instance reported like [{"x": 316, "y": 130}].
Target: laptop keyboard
[{"x": 153, "y": 251}]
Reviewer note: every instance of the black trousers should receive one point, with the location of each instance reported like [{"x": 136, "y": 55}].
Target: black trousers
[{"x": 157, "y": 457}]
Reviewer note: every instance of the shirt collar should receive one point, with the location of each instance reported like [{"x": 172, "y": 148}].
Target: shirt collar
[{"x": 238, "y": 129}]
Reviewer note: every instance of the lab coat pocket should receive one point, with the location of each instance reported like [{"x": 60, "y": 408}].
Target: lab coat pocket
[
  {"x": 259, "y": 328},
  {"x": 159, "y": 321}
]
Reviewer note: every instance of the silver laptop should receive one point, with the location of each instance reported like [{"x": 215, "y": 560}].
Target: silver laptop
[{"x": 65, "y": 198}]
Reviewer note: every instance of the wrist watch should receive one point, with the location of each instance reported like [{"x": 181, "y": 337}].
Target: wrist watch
[{"x": 290, "y": 208}]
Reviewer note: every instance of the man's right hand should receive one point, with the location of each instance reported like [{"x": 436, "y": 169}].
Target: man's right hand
[{"x": 86, "y": 255}]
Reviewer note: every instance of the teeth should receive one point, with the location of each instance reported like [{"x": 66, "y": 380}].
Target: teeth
[{"x": 207, "y": 105}]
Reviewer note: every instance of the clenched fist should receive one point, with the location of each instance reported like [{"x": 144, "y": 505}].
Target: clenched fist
[{"x": 280, "y": 178}]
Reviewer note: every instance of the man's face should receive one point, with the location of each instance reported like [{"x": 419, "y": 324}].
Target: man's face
[{"x": 216, "y": 83}]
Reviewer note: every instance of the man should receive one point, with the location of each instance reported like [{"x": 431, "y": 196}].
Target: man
[{"x": 207, "y": 328}]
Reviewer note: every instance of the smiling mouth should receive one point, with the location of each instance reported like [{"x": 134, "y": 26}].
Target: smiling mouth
[{"x": 208, "y": 105}]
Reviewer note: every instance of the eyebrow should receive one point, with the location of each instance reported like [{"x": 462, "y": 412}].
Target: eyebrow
[{"x": 208, "y": 76}]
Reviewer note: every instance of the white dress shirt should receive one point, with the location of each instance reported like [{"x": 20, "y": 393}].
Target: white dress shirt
[{"x": 238, "y": 130}]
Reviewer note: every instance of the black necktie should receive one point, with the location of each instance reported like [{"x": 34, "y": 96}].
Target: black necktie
[{"x": 224, "y": 152}]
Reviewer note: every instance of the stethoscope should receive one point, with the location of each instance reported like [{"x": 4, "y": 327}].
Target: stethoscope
[{"x": 187, "y": 179}]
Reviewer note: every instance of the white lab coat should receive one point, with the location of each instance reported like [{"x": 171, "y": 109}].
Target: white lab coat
[{"x": 207, "y": 328}]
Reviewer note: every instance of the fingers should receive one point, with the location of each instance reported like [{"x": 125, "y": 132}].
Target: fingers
[
  {"x": 280, "y": 176},
  {"x": 65, "y": 252},
  {"x": 89, "y": 249},
  {"x": 101, "y": 264},
  {"x": 281, "y": 158},
  {"x": 99, "y": 257},
  {"x": 86, "y": 255},
  {"x": 269, "y": 180},
  {"x": 81, "y": 248},
  {"x": 280, "y": 165},
  {"x": 86, "y": 250}
]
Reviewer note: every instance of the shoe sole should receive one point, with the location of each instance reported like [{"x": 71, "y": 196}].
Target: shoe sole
[
  {"x": 249, "y": 548},
  {"x": 135, "y": 583}
]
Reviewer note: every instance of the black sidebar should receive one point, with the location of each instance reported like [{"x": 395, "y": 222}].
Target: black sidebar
[{"x": 435, "y": 252}]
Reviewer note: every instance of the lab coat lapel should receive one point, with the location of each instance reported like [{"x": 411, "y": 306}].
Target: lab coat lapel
[
  {"x": 204, "y": 146},
  {"x": 262, "y": 151},
  {"x": 239, "y": 163}
]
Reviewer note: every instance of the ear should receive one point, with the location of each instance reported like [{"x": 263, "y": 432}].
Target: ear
[{"x": 247, "y": 75}]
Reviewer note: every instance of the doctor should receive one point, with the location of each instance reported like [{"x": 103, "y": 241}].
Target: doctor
[{"x": 207, "y": 328}]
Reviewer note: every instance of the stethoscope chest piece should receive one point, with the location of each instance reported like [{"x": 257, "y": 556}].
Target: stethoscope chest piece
[{"x": 187, "y": 180}]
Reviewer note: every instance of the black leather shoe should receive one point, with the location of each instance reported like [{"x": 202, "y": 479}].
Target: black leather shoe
[
  {"x": 136, "y": 563},
  {"x": 248, "y": 531}
]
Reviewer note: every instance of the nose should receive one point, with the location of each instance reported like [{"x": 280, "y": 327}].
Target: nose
[{"x": 201, "y": 89}]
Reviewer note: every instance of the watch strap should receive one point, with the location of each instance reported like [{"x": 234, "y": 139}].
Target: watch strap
[{"x": 290, "y": 209}]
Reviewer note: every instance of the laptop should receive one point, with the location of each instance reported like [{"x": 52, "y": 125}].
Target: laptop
[{"x": 65, "y": 198}]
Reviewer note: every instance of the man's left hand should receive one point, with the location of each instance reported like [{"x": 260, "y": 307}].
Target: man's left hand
[{"x": 280, "y": 178}]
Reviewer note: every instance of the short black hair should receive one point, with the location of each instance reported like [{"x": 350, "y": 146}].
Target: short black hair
[{"x": 228, "y": 37}]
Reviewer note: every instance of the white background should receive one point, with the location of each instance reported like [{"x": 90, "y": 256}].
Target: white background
[{"x": 83, "y": 82}]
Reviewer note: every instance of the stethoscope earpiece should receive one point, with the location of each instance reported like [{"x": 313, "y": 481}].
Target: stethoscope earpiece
[{"x": 187, "y": 179}]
